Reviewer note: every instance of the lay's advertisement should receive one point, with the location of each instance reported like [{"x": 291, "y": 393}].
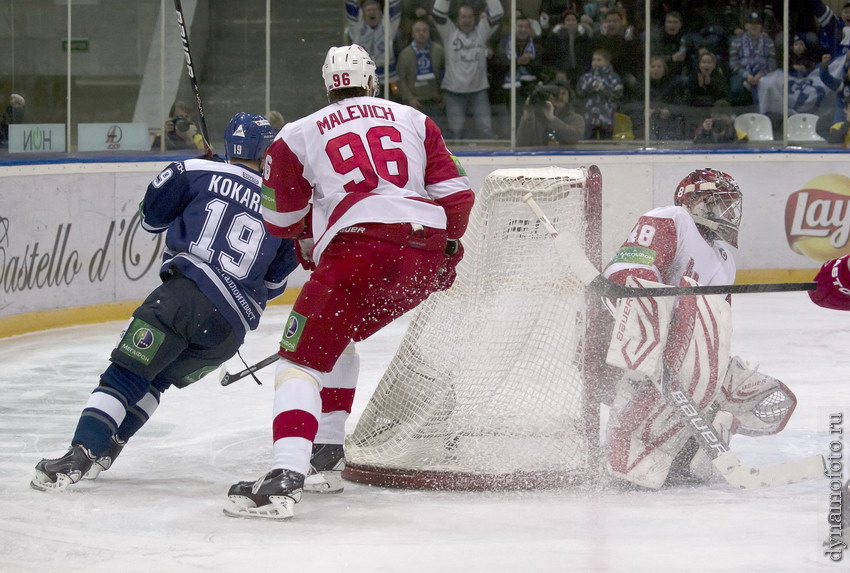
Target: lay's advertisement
[{"x": 817, "y": 217}]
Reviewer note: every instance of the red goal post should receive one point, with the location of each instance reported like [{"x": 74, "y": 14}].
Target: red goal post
[{"x": 493, "y": 384}]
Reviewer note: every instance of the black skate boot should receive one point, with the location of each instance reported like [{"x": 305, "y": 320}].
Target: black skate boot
[
  {"x": 326, "y": 465},
  {"x": 273, "y": 496},
  {"x": 105, "y": 461},
  {"x": 59, "y": 473}
]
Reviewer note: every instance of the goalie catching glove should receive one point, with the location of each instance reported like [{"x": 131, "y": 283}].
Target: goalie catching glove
[
  {"x": 447, "y": 273},
  {"x": 761, "y": 404},
  {"x": 833, "y": 285}
]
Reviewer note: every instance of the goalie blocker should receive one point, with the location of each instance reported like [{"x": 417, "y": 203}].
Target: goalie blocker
[{"x": 649, "y": 445}]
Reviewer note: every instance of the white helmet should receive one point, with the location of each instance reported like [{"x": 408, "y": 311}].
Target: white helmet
[{"x": 349, "y": 67}]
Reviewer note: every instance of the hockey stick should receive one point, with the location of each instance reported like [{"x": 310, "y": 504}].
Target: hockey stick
[
  {"x": 226, "y": 378},
  {"x": 726, "y": 462},
  {"x": 190, "y": 68},
  {"x": 569, "y": 248}
]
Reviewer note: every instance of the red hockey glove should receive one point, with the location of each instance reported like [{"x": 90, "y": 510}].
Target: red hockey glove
[
  {"x": 447, "y": 272},
  {"x": 833, "y": 290}
]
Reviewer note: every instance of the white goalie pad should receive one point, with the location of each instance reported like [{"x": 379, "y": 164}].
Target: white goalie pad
[
  {"x": 699, "y": 345},
  {"x": 640, "y": 332},
  {"x": 761, "y": 404},
  {"x": 691, "y": 344}
]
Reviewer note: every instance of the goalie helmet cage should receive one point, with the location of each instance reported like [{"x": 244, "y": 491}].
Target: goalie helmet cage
[{"x": 490, "y": 387}]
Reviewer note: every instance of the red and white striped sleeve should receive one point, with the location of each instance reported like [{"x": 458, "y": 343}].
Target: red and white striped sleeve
[
  {"x": 647, "y": 253},
  {"x": 286, "y": 193},
  {"x": 446, "y": 181}
]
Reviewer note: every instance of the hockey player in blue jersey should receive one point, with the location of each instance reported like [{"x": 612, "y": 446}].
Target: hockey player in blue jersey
[{"x": 219, "y": 269}]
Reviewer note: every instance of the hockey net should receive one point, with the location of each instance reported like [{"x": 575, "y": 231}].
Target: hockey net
[{"x": 489, "y": 387}]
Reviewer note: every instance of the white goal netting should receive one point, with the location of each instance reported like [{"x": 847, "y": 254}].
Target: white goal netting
[{"x": 488, "y": 386}]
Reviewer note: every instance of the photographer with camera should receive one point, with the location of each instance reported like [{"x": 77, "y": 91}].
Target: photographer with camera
[
  {"x": 719, "y": 127},
  {"x": 548, "y": 119},
  {"x": 180, "y": 130}
]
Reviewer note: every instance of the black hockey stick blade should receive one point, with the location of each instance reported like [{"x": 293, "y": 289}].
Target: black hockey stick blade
[
  {"x": 227, "y": 378},
  {"x": 569, "y": 248},
  {"x": 190, "y": 69}
]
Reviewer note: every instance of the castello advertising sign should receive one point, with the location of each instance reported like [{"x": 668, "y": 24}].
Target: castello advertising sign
[{"x": 817, "y": 218}]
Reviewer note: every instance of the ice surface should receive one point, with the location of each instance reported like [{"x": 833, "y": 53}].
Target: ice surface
[{"x": 159, "y": 507}]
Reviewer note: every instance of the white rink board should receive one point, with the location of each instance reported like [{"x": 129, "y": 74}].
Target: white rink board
[{"x": 77, "y": 218}]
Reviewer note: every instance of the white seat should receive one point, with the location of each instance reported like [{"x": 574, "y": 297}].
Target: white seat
[
  {"x": 801, "y": 127},
  {"x": 756, "y": 125}
]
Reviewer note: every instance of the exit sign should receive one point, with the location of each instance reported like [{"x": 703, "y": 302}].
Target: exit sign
[{"x": 77, "y": 44}]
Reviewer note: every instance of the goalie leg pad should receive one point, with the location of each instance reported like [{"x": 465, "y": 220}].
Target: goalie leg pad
[
  {"x": 644, "y": 435},
  {"x": 761, "y": 404}
]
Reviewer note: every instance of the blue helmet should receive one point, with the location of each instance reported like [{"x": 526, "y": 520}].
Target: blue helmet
[{"x": 247, "y": 136}]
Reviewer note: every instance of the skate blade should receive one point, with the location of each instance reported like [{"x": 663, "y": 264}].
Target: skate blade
[
  {"x": 324, "y": 482},
  {"x": 41, "y": 481},
  {"x": 281, "y": 507}
]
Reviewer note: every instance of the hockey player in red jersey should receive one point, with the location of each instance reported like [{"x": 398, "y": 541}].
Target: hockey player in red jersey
[
  {"x": 378, "y": 205},
  {"x": 690, "y": 240}
]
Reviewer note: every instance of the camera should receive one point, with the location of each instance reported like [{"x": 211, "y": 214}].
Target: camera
[
  {"x": 541, "y": 94},
  {"x": 181, "y": 123},
  {"x": 720, "y": 125}
]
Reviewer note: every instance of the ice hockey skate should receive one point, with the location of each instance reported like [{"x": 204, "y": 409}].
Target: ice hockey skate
[
  {"x": 326, "y": 465},
  {"x": 105, "y": 461},
  {"x": 59, "y": 473},
  {"x": 273, "y": 496}
]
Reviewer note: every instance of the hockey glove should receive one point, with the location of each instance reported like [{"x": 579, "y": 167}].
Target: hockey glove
[
  {"x": 447, "y": 272},
  {"x": 304, "y": 253},
  {"x": 833, "y": 288}
]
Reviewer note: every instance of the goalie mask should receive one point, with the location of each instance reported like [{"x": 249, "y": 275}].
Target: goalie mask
[
  {"x": 247, "y": 136},
  {"x": 714, "y": 200},
  {"x": 349, "y": 67}
]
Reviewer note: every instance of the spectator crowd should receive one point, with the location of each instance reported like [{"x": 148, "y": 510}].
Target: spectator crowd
[{"x": 710, "y": 61}]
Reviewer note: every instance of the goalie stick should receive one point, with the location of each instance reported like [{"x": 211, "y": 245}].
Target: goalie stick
[
  {"x": 226, "y": 378},
  {"x": 568, "y": 247},
  {"x": 190, "y": 68},
  {"x": 727, "y": 463}
]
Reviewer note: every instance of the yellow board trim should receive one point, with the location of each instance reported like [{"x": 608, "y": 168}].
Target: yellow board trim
[
  {"x": 105, "y": 312},
  {"x": 756, "y": 276}
]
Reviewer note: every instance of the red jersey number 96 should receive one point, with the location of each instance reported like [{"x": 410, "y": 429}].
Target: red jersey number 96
[{"x": 341, "y": 80}]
